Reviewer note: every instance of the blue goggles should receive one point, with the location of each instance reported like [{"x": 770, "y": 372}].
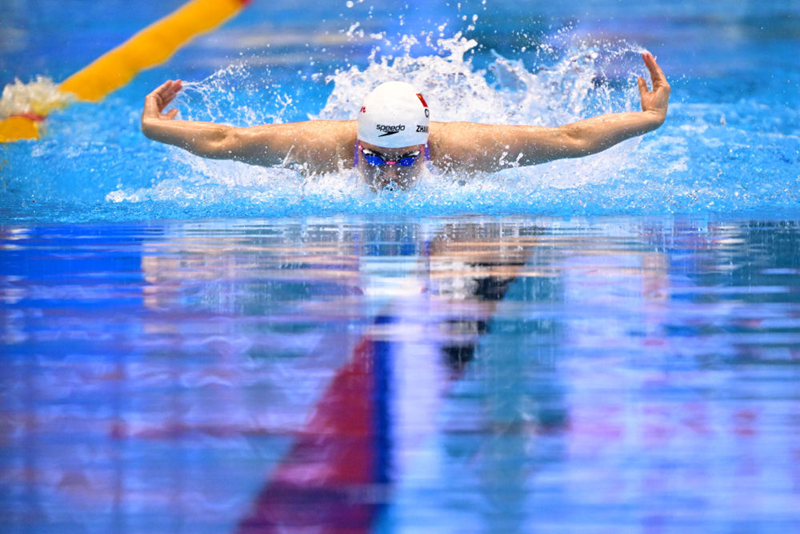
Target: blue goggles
[{"x": 377, "y": 160}]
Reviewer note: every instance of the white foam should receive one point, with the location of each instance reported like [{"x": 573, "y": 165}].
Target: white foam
[{"x": 40, "y": 97}]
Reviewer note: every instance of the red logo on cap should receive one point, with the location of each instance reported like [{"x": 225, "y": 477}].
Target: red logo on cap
[
  {"x": 363, "y": 109},
  {"x": 422, "y": 100}
]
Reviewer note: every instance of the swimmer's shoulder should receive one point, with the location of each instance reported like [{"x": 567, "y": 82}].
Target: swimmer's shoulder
[
  {"x": 328, "y": 136},
  {"x": 319, "y": 146},
  {"x": 335, "y": 144},
  {"x": 452, "y": 142},
  {"x": 339, "y": 136},
  {"x": 327, "y": 131}
]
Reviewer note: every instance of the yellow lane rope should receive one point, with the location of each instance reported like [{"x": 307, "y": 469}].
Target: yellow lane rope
[
  {"x": 18, "y": 127},
  {"x": 114, "y": 69}
]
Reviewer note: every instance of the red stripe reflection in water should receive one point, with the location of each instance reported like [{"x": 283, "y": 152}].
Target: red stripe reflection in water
[{"x": 327, "y": 480}]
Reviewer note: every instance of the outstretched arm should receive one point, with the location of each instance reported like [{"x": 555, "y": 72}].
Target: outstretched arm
[
  {"x": 318, "y": 144},
  {"x": 200, "y": 138},
  {"x": 599, "y": 133},
  {"x": 491, "y": 148}
]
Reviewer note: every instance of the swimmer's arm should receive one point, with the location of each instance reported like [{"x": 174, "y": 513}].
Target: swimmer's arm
[
  {"x": 196, "y": 137},
  {"x": 478, "y": 147},
  {"x": 599, "y": 133},
  {"x": 205, "y": 139},
  {"x": 317, "y": 144}
]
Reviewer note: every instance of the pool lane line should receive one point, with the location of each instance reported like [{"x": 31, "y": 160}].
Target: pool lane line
[{"x": 116, "y": 68}]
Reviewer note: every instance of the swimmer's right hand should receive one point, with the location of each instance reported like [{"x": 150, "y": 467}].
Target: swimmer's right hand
[
  {"x": 654, "y": 102},
  {"x": 156, "y": 101}
]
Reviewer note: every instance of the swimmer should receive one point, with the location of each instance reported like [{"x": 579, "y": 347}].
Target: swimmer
[{"x": 393, "y": 138}]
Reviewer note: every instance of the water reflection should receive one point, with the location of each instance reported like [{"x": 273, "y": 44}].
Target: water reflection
[{"x": 408, "y": 375}]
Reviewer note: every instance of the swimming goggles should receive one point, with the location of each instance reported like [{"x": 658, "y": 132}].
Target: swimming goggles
[{"x": 377, "y": 160}]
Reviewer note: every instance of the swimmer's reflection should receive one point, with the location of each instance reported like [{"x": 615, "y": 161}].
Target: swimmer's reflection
[
  {"x": 424, "y": 328},
  {"x": 472, "y": 268},
  {"x": 382, "y": 404}
]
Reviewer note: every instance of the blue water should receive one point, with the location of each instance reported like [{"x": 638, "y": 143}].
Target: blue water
[
  {"x": 608, "y": 344},
  {"x": 730, "y": 143}
]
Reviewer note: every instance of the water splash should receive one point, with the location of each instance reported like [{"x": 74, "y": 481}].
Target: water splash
[
  {"x": 728, "y": 156},
  {"x": 507, "y": 92},
  {"x": 38, "y": 97}
]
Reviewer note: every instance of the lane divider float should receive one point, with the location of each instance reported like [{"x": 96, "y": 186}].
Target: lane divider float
[{"x": 116, "y": 68}]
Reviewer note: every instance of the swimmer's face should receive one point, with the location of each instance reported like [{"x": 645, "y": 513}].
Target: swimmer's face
[{"x": 395, "y": 171}]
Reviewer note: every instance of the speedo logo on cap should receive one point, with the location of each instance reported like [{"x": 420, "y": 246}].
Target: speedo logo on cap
[{"x": 389, "y": 129}]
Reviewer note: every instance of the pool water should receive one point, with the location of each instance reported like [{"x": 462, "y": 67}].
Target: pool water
[
  {"x": 608, "y": 344},
  {"x": 620, "y": 375},
  {"x": 730, "y": 145}
]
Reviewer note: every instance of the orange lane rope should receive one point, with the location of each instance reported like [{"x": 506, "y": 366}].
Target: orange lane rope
[{"x": 114, "y": 69}]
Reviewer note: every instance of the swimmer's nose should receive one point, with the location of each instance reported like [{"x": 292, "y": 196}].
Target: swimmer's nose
[{"x": 390, "y": 171}]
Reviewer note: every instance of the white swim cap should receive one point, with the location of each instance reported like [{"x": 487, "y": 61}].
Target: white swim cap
[{"x": 394, "y": 115}]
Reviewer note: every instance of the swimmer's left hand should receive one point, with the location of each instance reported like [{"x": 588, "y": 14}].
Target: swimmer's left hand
[
  {"x": 656, "y": 101},
  {"x": 156, "y": 101}
]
